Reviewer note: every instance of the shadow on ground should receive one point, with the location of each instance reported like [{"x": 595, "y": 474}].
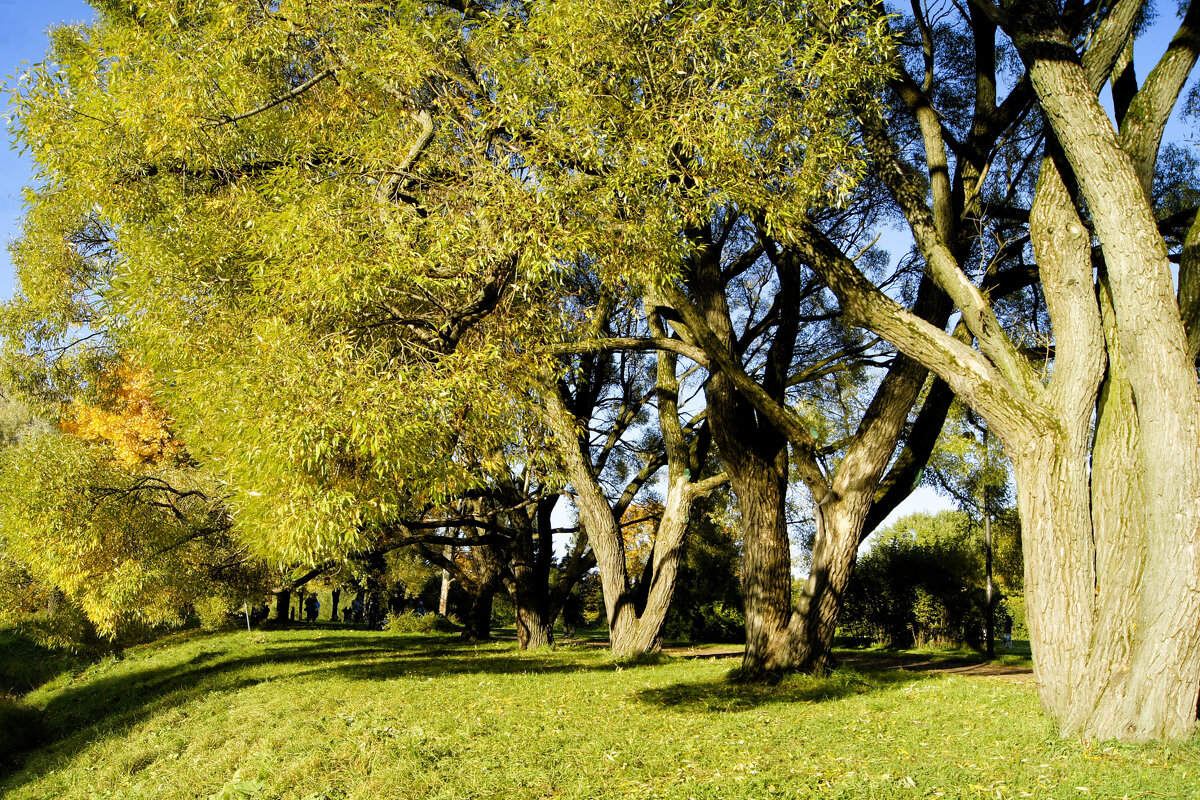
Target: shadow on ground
[
  {"x": 78, "y": 715},
  {"x": 724, "y": 694}
]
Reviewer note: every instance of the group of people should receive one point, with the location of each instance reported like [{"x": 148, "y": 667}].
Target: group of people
[
  {"x": 312, "y": 607},
  {"x": 358, "y": 611},
  {"x": 355, "y": 612}
]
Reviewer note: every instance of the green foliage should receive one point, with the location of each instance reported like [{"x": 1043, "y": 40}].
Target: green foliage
[
  {"x": 503, "y": 610},
  {"x": 216, "y": 612},
  {"x": 923, "y": 582},
  {"x": 713, "y": 621},
  {"x": 407, "y": 573},
  {"x": 344, "y": 290},
  {"x": 412, "y": 622},
  {"x": 104, "y": 548},
  {"x": 707, "y": 605}
]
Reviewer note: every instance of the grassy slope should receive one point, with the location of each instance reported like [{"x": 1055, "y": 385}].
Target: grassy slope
[{"x": 345, "y": 714}]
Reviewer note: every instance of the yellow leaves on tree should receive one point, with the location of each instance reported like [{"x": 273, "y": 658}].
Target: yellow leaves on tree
[
  {"x": 129, "y": 422},
  {"x": 639, "y": 525}
]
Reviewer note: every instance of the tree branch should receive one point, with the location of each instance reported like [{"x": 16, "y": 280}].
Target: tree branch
[{"x": 226, "y": 119}]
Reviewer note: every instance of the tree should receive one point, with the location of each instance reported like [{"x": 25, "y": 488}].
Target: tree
[
  {"x": 309, "y": 255},
  {"x": 923, "y": 580},
  {"x": 112, "y": 531},
  {"x": 1110, "y": 533},
  {"x": 636, "y": 602},
  {"x": 706, "y": 178},
  {"x": 134, "y": 428},
  {"x": 324, "y": 206}
]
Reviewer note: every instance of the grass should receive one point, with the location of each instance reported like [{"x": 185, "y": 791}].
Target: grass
[
  {"x": 326, "y": 714},
  {"x": 25, "y": 665}
]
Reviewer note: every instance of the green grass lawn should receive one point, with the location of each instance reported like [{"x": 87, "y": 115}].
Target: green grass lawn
[{"x": 344, "y": 714}]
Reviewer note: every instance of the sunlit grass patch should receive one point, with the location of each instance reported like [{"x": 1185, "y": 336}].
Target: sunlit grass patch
[{"x": 349, "y": 714}]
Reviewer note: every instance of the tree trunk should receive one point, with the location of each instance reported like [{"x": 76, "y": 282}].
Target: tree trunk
[
  {"x": 530, "y": 596},
  {"x": 334, "y": 597},
  {"x": 814, "y": 621},
  {"x": 283, "y": 605},
  {"x": 1131, "y": 667},
  {"x": 533, "y": 627},
  {"x": 477, "y": 625},
  {"x": 528, "y": 577},
  {"x": 759, "y": 482},
  {"x": 444, "y": 594},
  {"x": 635, "y": 613}
]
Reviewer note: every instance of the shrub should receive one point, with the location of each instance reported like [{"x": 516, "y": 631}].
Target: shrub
[
  {"x": 217, "y": 612},
  {"x": 411, "y": 622},
  {"x": 708, "y": 622},
  {"x": 924, "y": 593}
]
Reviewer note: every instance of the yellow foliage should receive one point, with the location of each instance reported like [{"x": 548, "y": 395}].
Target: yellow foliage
[
  {"x": 136, "y": 429},
  {"x": 639, "y": 525}
]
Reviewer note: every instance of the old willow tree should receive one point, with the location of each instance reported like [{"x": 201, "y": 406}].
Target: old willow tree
[
  {"x": 336, "y": 230},
  {"x": 1095, "y": 399}
]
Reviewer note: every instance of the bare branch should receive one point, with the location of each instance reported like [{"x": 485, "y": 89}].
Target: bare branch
[{"x": 283, "y": 98}]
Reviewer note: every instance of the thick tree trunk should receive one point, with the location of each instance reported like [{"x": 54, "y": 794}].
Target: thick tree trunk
[
  {"x": 1111, "y": 602},
  {"x": 334, "y": 597},
  {"x": 760, "y": 484},
  {"x": 528, "y": 577},
  {"x": 814, "y": 621},
  {"x": 535, "y": 625},
  {"x": 283, "y": 605},
  {"x": 533, "y": 628},
  {"x": 1130, "y": 668},
  {"x": 477, "y": 624}
]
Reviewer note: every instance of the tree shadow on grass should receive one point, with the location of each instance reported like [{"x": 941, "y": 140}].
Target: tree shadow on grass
[
  {"x": 106, "y": 706},
  {"x": 724, "y": 694}
]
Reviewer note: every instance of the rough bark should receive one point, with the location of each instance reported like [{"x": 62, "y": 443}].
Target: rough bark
[
  {"x": 1142, "y": 669},
  {"x": 1189, "y": 287},
  {"x": 635, "y": 611},
  {"x": 1110, "y": 517},
  {"x": 528, "y": 585},
  {"x": 477, "y": 623}
]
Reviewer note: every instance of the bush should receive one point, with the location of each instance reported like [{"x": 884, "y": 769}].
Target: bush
[
  {"x": 411, "y": 622},
  {"x": 708, "y": 622},
  {"x": 906, "y": 593},
  {"x": 65, "y": 629},
  {"x": 21, "y": 727},
  {"x": 503, "y": 610},
  {"x": 217, "y": 612}
]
